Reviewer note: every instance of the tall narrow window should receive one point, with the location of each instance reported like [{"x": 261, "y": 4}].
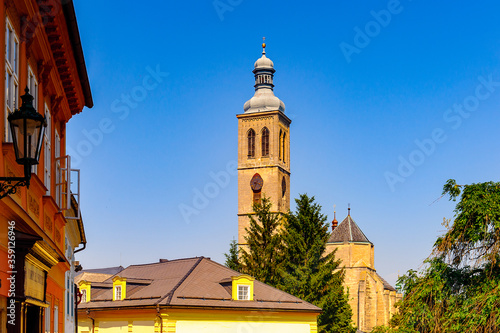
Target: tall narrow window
[
  {"x": 118, "y": 293},
  {"x": 284, "y": 147},
  {"x": 84, "y": 295},
  {"x": 47, "y": 159},
  {"x": 279, "y": 144},
  {"x": 47, "y": 319},
  {"x": 33, "y": 87},
  {"x": 11, "y": 75},
  {"x": 251, "y": 143},
  {"x": 265, "y": 142},
  {"x": 56, "y": 319}
]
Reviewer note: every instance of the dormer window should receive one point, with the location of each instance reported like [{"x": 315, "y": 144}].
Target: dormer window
[
  {"x": 243, "y": 293},
  {"x": 242, "y": 287},
  {"x": 118, "y": 292},
  {"x": 119, "y": 288},
  {"x": 85, "y": 290}
]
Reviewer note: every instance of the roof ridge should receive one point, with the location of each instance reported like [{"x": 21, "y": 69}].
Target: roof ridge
[
  {"x": 171, "y": 293},
  {"x": 166, "y": 262},
  {"x": 349, "y": 220},
  {"x": 360, "y": 230}
]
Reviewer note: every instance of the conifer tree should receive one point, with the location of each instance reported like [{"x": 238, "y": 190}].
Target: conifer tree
[
  {"x": 232, "y": 260},
  {"x": 309, "y": 274},
  {"x": 261, "y": 258}
]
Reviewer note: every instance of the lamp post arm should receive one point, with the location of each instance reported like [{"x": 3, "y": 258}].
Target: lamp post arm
[{"x": 9, "y": 185}]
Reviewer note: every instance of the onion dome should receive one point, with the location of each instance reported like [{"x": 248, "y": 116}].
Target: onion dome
[{"x": 264, "y": 99}]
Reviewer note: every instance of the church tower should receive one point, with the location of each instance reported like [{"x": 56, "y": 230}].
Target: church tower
[{"x": 263, "y": 148}]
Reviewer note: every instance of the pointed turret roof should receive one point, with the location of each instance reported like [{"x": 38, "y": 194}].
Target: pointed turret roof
[{"x": 348, "y": 231}]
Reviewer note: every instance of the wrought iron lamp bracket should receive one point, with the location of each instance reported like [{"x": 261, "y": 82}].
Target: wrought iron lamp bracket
[{"x": 9, "y": 185}]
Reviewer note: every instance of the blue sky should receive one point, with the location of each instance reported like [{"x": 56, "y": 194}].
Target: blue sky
[{"x": 388, "y": 100}]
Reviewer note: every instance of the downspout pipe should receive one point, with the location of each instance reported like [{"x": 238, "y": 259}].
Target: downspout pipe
[
  {"x": 159, "y": 316},
  {"x": 93, "y": 321},
  {"x": 83, "y": 248}
]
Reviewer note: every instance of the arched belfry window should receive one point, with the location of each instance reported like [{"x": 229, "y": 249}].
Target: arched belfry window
[
  {"x": 251, "y": 143},
  {"x": 283, "y": 147},
  {"x": 265, "y": 142},
  {"x": 280, "y": 147}
]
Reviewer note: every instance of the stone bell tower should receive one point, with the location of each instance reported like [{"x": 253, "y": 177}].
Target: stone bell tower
[{"x": 263, "y": 148}]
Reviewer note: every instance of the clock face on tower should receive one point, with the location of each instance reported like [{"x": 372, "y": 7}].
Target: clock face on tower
[{"x": 256, "y": 183}]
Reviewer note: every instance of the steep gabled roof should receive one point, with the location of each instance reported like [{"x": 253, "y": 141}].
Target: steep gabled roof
[
  {"x": 190, "y": 282},
  {"x": 348, "y": 231}
]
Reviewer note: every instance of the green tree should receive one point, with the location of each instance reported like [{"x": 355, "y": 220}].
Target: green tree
[
  {"x": 459, "y": 289},
  {"x": 232, "y": 260},
  {"x": 262, "y": 256},
  {"x": 309, "y": 274}
]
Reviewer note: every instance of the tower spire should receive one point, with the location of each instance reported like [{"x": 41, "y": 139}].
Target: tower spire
[
  {"x": 348, "y": 209},
  {"x": 263, "y": 45}
]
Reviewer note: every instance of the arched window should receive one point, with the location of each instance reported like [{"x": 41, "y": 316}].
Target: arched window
[
  {"x": 284, "y": 147},
  {"x": 265, "y": 142},
  {"x": 279, "y": 144},
  {"x": 251, "y": 143}
]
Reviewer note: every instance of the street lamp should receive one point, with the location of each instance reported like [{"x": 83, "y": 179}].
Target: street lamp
[{"x": 26, "y": 126}]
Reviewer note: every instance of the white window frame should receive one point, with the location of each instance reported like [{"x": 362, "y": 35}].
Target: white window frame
[
  {"x": 84, "y": 296},
  {"x": 47, "y": 319},
  {"x": 47, "y": 151},
  {"x": 118, "y": 293},
  {"x": 56, "y": 319},
  {"x": 33, "y": 86},
  {"x": 11, "y": 74},
  {"x": 33, "y": 90},
  {"x": 243, "y": 292}
]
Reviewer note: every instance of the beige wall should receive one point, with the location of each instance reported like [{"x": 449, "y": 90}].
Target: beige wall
[
  {"x": 272, "y": 169},
  {"x": 371, "y": 304}
]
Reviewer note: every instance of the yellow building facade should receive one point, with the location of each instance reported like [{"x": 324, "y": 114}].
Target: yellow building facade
[{"x": 187, "y": 295}]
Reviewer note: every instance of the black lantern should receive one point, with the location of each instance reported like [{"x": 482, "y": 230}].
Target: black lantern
[{"x": 27, "y": 126}]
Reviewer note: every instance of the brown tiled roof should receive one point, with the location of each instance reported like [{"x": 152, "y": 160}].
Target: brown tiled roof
[
  {"x": 348, "y": 231},
  {"x": 92, "y": 277},
  {"x": 192, "y": 282}
]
